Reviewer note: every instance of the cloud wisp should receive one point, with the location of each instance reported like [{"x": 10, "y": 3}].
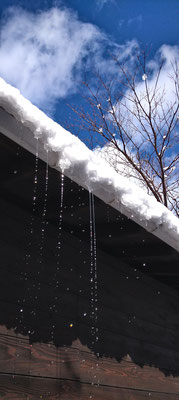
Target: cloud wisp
[
  {"x": 45, "y": 53},
  {"x": 102, "y": 3},
  {"x": 42, "y": 54},
  {"x": 153, "y": 89}
]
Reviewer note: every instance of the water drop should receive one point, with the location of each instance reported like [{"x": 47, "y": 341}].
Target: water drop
[{"x": 144, "y": 77}]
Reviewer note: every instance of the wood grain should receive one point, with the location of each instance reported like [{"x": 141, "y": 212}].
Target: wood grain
[
  {"x": 17, "y": 356},
  {"x": 29, "y": 388}
]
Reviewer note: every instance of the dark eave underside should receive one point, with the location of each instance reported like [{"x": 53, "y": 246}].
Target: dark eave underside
[{"x": 116, "y": 234}]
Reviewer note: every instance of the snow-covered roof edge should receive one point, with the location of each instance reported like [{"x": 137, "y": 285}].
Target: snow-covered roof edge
[{"x": 24, "y": 123}]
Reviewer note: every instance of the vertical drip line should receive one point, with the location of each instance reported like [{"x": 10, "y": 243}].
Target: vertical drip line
[
  {"x": 34, "y": 198},
  {"x": 37, "y": 284},
  {"x": 91, "y": 266},
  {"x": 44, "y": 213},
  {"x": 60, "y": 221},
  {"x": 24, "y": 274},
  {"x": 95, "y": 269},
  {"x": 93, "y": 283},
  {"x": 53, "y": 307}
]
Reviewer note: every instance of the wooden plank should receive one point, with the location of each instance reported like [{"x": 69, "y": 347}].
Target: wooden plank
[
  {"x": 110, "y": 372},
  {"x": 71, "y": 308},
  {"x": 110, "y": 345},
  {"x": 52, "y": 230},
  {"x": 148, "y": 292},
  {"x": 15, "y": 387},
  {"x": 142, "y": 348},
  {"x": 127, "y": 323},
  {"x": 118, "y": 302},
  {"x": 17, "y": 356},
  {"x": 113, "y": 296}
]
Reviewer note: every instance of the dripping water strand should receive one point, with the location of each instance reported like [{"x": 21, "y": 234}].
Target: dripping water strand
[
  {"x": 24, "y": 273},
  {"x": 93, "y": 283},
  {"x": 34, "y": 198},
  {"x": 93, "y": 264},
  {"x": 95, "y": 260},
  {"x": 59, "y": 236},
  {"x": 44, "y": 213},
  {"x": 53, "y": 307},
  {"x": 37, "y": 284},
  {"x": 60, "y": 220}
]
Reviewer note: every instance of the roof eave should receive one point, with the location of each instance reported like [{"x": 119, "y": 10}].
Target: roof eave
[{"x": 22, "y": 135}]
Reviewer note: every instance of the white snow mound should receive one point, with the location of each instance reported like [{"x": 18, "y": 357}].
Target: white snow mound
[{"x": 90, "y": 170}]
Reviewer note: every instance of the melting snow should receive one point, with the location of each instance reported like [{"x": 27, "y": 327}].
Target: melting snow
[{"x": 89, "y": 170}]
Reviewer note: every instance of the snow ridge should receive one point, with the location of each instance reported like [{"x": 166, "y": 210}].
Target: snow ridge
[{"x": 70, "y": 155}]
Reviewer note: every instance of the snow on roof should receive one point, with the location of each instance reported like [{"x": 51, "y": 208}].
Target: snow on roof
[{"x": 24, "y": 123}]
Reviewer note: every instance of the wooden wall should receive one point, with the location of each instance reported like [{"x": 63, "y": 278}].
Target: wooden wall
[{"x": 46, "y": 343}]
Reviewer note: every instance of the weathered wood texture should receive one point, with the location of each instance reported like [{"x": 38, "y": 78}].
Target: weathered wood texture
[
  {"x": 75, "y": 363},
  {"x": 46, "y": 345},
  {"x": 30, "y": 388}
]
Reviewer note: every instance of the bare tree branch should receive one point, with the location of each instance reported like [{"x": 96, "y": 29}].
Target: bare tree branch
[{"x": 140, "y": 126}]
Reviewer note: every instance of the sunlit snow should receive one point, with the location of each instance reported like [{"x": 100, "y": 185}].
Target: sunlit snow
[{"x": 75, "y": 160}]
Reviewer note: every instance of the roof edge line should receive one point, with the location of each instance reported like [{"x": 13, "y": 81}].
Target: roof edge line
[{"x": 23, "y": 123}]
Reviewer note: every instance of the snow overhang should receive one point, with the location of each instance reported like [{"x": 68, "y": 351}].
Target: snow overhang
[{"x": 25, "y": 124}]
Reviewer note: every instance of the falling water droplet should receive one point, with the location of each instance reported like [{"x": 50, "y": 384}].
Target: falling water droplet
[
  {"x": 44, "y": 212},
  {"x": 34, "y": 198},
  {"x": 93, "y": 274}
]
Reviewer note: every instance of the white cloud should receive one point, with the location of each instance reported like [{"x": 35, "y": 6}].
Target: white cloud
[
  {"x": 102, "y": 3},
  {"x": 42, "y": 54},
  {"x": 122, "y": 52},
  {"x": 165, "y": 94},
  {"x": 169, "y": 55},
  {"x": 135, "y": 20},
  {"x": 162, "y": 106}
]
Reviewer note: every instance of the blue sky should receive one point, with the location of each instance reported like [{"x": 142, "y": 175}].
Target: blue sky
[
  {"x": 150, "y": 21},
  {"x": 86, "y": 32}
]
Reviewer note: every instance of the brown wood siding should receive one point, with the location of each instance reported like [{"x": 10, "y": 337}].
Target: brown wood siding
[{"x": 22, "y": 363}]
